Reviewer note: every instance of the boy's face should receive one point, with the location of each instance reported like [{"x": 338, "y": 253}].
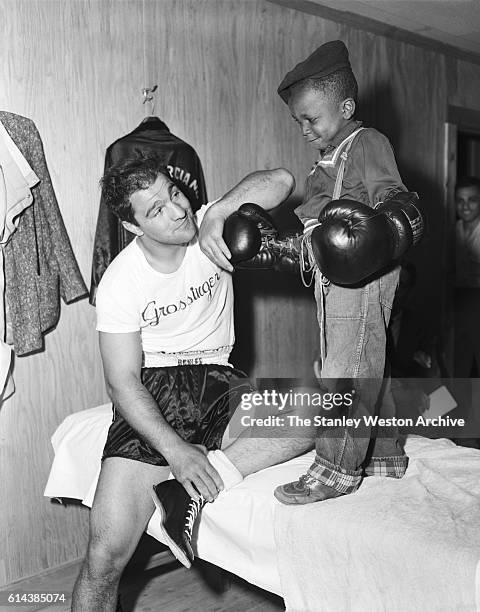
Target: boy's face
[
  {"x": 319, "y": 117},
  {"x": 467, "y": 201},
  {"x": 163, "y": 213}
]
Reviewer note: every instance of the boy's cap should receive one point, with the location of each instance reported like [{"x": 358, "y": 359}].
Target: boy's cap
[{"x": 323, "y": 61}]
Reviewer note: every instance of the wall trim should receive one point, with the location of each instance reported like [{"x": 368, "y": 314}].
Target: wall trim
[
  {"x": 17, "y": 584},
  {"x": 378, "y": 27},
  {"x": 164, "y": 557},
  {"x": 464, "y": 118}
]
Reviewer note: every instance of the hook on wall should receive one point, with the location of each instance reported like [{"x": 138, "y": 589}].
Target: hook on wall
[{"x": 148, "y": 97}]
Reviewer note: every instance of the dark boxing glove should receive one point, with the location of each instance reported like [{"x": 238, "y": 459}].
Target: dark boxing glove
[
  {"x": 254, "y": 243},
  {"x": 288, "y": 248},
  {"x": 242, "y": 237},
  {"x": 355, "y": 241},
  {"x": 264, "y": 259},
  {"x": 402, "y": 210}
]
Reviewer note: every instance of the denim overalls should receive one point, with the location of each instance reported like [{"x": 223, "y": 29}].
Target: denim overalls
[{"x": 353, "y": 324}]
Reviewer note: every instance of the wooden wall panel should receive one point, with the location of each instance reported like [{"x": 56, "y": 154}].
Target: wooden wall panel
[
  {"x": 217, "y": 91},
  {"x": 77, "y": 67},
  {"x": 465, "y": 85}
]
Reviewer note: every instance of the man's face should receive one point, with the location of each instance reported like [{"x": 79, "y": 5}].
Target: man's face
[
  {"x": 163, "y": 213},
  {"x": 467, "y": 201},
  {"x": 319, "y": 117}
]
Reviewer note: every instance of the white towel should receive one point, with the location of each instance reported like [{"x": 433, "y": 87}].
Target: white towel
[
  {"x": 79, "y": 441},
  {"x": 411, "y": 544}
]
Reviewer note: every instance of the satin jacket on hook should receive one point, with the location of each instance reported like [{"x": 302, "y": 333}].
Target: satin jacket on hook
[{"x": 181, "y": 160}]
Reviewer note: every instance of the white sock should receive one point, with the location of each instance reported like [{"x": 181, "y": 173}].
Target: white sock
[{"x": 227, "y": 471}]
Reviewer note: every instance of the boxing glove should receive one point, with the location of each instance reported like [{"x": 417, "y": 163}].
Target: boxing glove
[
  {"x": 265, "y": 257},
  {"x": 242, "y": 236},
  {"x": 401, "y": 209},
  {"x": 287, "y": 248},
  {"x": 354, "y": 241},
  {"x": 254, "y": 242}
]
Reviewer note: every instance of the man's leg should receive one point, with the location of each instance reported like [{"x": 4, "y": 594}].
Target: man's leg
[
  {"x": 257, "y": 447},
  {"x": 121, "y": 510},
  {"x": 244, "y": 451}
]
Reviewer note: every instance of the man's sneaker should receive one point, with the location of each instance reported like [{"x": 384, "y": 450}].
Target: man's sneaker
[
  {"x": 178, "y": 512},
  {"x": 305, "y": 490}
]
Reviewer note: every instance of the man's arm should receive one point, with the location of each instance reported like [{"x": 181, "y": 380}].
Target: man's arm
[
  {"x": 267, "y": 188},
  {"x": 122, "y": 359}
]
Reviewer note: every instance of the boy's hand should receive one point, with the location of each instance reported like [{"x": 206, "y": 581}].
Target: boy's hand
[
  {"x": 190, "y": 466},
  {"x": 211, "y": 240}
]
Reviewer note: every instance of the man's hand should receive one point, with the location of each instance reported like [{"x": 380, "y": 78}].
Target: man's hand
[
  {"x": 190, "y": 466},
  {"x": 268, "y": 188},
  {"x": 211, "y": 240}
]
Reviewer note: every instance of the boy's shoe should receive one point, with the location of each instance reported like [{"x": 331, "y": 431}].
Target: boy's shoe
[
  {"x": 178, "y": 512},
  {"x": 305, "y": 490}
]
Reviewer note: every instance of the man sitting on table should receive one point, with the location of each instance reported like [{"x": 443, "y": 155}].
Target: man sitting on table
[{"x": 165, "y": 317}]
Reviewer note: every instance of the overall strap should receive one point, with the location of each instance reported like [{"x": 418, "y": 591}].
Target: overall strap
[{"x": 337, "y": 190}]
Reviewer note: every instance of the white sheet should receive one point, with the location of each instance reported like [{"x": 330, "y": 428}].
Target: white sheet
[
  {"x": 235, "y": 532},
  {"x": 427, "y": 519}
]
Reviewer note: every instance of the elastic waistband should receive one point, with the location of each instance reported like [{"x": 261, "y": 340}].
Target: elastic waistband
[{"x": 160, "y": 359}]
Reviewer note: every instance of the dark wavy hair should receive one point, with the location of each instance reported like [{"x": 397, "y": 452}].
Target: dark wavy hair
[
  {"x": 468, "y": 181},
  {"x": 121, "y": 180}
]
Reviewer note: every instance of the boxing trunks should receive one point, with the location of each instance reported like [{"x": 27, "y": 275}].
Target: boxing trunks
[{"x": 197, "y": 401}]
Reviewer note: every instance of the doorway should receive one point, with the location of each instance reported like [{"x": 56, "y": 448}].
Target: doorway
[
  {"x": 468, "y": 153},
  {"x": 462, "y": 159}
]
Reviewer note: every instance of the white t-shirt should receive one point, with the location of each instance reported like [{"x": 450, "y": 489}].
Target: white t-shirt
[{"x": 184, "y": 317}]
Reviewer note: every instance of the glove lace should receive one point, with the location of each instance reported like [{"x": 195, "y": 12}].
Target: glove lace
[{"x": 306, "y": 267}]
